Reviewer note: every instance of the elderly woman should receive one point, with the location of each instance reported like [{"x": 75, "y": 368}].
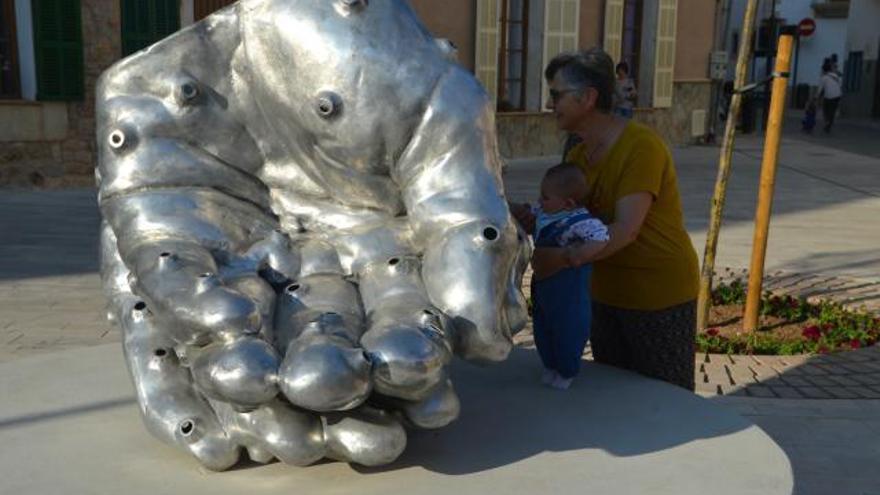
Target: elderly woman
[{"x": 645, "y": 279}]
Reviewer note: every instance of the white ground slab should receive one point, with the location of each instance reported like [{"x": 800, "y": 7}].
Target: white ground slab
[{"x": 69, "y": 424}]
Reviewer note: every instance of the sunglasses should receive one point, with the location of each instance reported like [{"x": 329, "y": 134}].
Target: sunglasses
[{"x": 557, "y": 95}]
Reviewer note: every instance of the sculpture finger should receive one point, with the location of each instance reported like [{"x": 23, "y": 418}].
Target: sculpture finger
[
  {"x": 319, "y": 321},
  {"x": 406, "y": 339},
  {"x": 242, "y": 371},
  {"x": 365, "y": 436},
  {"x": 275, "y": 430},
  {"x": 169, "y": 405},
  {"x": 437, "y": 410}
]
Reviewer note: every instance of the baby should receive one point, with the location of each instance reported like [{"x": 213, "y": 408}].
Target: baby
[{"x": 561, "y": 302}]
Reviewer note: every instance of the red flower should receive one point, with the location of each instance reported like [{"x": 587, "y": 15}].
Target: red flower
[
  {"x": 827, "y": 327},
  {"x": 793, "y": 303},
  {"x": 811, "y": 332},
  {"x": 822, "y": 350},
  {"x": 712, "y": 332},
  {"x": 855, "y": 343}
]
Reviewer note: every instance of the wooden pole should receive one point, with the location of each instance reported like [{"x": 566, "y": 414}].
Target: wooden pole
[
  {"x": 768, "y": 180},
  {"x": 742, "y": 70}
]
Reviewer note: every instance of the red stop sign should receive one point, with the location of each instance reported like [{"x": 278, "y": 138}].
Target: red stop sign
[{"x": 806, "y": 27}]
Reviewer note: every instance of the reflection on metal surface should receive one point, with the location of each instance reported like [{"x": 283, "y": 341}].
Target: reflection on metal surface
[{"x": 303, "y": 221}]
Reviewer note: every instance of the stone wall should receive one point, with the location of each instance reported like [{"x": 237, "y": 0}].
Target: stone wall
[
  {"x": 66, "y": 158},
  {"x": 526, "y": 135},
  {"x": 674, "y": 123}
]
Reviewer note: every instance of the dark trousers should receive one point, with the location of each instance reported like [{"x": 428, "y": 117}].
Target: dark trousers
[
  {"x": 659, "y": 344},
  {"x": 829, "y": 111},
  {"x": 561, "y": 319}
]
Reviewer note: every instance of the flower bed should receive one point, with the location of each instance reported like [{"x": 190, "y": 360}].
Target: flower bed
[{"x": 787, "y": 325}]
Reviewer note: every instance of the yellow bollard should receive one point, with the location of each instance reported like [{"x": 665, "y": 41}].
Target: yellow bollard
[{"x": 768, "y": 179}]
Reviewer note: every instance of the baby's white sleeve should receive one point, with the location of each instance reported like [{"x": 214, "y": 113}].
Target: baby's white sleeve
[{"x": 586, "y": 230}]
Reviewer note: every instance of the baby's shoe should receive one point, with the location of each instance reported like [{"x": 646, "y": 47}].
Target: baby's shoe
[
  {"x": 560, "y": 383},
  {"x": 548, "y": 376}
]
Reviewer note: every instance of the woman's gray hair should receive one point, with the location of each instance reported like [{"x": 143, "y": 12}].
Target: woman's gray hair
[{"x": 591, "y": 68}]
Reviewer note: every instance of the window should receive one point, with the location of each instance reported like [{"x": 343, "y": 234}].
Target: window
[
  {"x": 487, "y": 46},
  {"x": 852, "y": 72},
  {"x": 9, "y": 82},
  {"x": 145, "y": 22},
  {"x": 561, "y": 23},
  {"x": 631, "y": 43},
  {"x": 613, "y": 29},
  {"x": 58, "y": 49},
  {"x": 204, "y": 8},
  {"x": 664, "y": 59},
  {"x": 514, "y": 49}
]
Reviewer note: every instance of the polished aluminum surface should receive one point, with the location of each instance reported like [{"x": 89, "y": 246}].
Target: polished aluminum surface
[{"x": 304, "y": 220}]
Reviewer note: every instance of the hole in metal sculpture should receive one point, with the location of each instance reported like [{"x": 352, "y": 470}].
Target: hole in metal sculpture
[
  {"x": 490, "y": 233},
  {"x": 393, "y": 261},
  {"x": 206, "y": 275},
  {"x": 117, "y": 139},
  {"x": 189, "y": 91},
  {"x": 328, "y": 104},
  {"x": 429, "y": 312},
  {"x": 165, "y": 255},
  {"x": 351, "y": 5},
  {"x": 187, "y": 427},
  {"x": 140, "y": 306},
  {"x": 160, "y": 353},
  {"x": 292, "y": 287}
]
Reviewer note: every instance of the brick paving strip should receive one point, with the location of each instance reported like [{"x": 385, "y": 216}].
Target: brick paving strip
[{"x": 845, "y": 375}]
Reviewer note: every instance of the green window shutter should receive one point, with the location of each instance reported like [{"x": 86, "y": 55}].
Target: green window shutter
[
  {"x": 58, "y": 49},
  {"x": 145, "y": 22}
]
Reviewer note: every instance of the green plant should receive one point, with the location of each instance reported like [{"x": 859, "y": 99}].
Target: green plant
[{"x": 827, "y": 326}]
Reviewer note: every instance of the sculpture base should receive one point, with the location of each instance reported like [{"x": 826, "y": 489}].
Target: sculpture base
[{"x": 69, "y": 424}]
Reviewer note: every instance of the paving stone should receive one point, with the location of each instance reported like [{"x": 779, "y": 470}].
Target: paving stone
[
  {"x": 795, "y": 381},
  {"x": 787, "y": 392},
  {"x": 773, "y": 382},
  {"x": 822, "y": 381},
  {"x": 814, "y": 393},
  {"x": 760, "y": 391},
  {"x": 740, "y": 375},
  {"x": 866, "y": 392},
  {"x": 811, "y": 370},
  {"x": 845, "y": 380},
  {"x": 843, "y": 392},
  {"x": 868, "y": 378}
]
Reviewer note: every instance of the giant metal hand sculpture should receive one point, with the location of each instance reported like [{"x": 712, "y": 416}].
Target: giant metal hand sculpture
[{"x": 303, "y": 220}]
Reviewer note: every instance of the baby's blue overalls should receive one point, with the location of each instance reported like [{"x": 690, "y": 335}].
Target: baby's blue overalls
[{"x": 561, "y": 307}]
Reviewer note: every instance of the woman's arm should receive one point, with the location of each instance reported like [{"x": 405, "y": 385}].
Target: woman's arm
[{"x": 629, "y": 214}]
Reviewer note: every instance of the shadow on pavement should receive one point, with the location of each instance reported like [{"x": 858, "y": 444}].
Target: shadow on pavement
[{"x": 606, "y": 409}]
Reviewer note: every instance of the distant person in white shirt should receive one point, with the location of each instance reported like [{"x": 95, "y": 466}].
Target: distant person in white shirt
[{"x": 830, "y": 92}]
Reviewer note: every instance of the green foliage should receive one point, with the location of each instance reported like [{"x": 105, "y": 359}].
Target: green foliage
[{"x": 827, "y": 326}]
